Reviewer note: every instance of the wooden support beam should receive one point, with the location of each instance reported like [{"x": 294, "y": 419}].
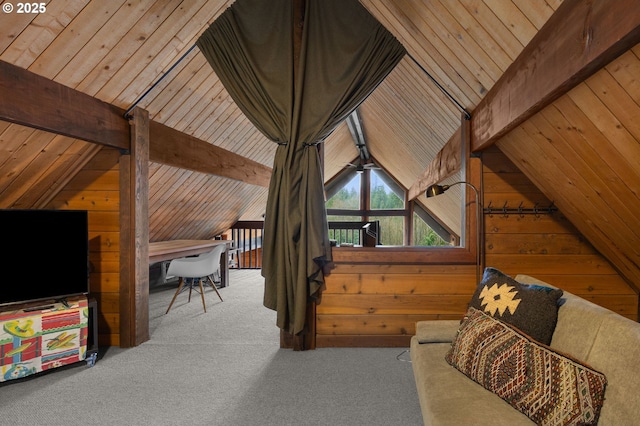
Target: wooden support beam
[
  {"x": 579, "y": 39},
  {"x": 171, "y": 147},
  {"x": 134, "y": 234},
  {"x": 446, "y": 163},
  {"x": 35, "y": 101}
]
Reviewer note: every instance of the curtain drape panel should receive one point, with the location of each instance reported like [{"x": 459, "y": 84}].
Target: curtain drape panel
[{"x": 345, "y": 53}]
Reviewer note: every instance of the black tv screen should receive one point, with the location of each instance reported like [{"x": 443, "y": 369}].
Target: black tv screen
[{"x": 46, "y": 255}]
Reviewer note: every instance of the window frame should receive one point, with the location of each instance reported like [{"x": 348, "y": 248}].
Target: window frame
[
  {"x": 365, "y": 213},
  {"x": 464, "y": 254}
]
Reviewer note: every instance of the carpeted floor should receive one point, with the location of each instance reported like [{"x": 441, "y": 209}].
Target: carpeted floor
[{"x": 222, "y": 367}]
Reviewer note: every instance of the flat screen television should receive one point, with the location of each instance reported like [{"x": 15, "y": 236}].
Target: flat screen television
[{"x": 45, "y": 255}]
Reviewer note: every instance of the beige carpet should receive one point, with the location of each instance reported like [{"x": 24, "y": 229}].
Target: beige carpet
[{"x": 223, "y": 367}]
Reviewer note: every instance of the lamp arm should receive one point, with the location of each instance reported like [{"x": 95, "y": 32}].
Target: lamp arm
[
  {"x": 435, "y": 189},
  {"x": 465, "y": 183},
  {"x": 478, "y": 228}
]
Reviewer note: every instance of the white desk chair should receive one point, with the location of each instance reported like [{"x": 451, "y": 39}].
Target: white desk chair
[{"x": 204, "y": 266}]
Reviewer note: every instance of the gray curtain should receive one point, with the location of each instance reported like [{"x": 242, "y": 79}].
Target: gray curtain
[{"x": 345, "y": 53}]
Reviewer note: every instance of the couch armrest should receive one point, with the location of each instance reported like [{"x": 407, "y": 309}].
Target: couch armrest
[{"x": 437, "y": 331}]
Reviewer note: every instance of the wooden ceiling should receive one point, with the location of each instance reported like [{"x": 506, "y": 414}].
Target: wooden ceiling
[{"x": 583, "y": 151}]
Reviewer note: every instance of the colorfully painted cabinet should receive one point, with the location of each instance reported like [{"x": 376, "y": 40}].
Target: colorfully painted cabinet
[{"x": 50, "y": 336}]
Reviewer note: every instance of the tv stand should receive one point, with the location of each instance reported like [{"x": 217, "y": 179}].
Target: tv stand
[{"x": 39, "y": 337}]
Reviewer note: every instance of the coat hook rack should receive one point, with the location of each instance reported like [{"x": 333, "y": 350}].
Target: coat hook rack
[{"x": 505, "y": 210}]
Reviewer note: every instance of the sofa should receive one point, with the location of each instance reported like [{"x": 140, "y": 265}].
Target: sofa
[{"x": 583, "y": 332}]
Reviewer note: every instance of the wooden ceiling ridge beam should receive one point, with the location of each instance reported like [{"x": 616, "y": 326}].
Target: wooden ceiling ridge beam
[
  {"x": 354, "y": 123},
  {"x": 592, "y": 35},
  {"x": 34, "y": 101}
]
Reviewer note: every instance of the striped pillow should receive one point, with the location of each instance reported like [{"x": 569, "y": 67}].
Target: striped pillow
[{"x": 548, "y": 387}]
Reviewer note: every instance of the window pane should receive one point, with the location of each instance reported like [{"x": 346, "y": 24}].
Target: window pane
[
  {"x": 348, "y": 197},
  {"x": 391, "y": 230},
  {"x": 423, "y": 235},
  {"x": 384, "y": 192},
  {"x": 446, "y": 211}
]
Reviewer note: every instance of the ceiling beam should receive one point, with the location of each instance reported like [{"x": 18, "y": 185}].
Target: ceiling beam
[
  {"x": 35, "y": 101},
  {"x": 579, "y": 39},
  {"x": 446, "y": 163},
  {"x": 354, "y": 123},
  {"x": 174, "y": 148}
]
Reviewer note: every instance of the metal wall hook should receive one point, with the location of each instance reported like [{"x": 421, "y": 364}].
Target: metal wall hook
[{"x": 520, "y": 210}]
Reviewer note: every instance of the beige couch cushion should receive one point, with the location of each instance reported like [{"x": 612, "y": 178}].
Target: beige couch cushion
[
  {"x": 448, "y": 397},
  {"x": 616, "y": 352},
  {"x": 578, "y": 322},
  {"x": 442, "y": 331}
]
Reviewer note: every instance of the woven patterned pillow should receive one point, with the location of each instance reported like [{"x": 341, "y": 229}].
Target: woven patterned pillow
[
  {"x": 532, "y": 309},
  {"x": 551, "y": 389}
]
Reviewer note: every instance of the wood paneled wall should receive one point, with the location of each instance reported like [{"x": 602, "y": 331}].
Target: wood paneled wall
[
  {"x": 378, "y": 305},
  {"x": 96, "y": 189},
  {"x": 546, "y": 246}
]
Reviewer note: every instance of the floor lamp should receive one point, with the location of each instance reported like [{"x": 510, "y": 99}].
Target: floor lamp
[{"x": 435, "y": 190}]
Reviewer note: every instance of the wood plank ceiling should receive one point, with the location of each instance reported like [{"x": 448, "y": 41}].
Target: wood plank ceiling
[{"x": 583, "y": 151}]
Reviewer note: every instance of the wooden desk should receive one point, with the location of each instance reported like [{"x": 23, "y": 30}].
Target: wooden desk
[{"x": 160, "y": 251}]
